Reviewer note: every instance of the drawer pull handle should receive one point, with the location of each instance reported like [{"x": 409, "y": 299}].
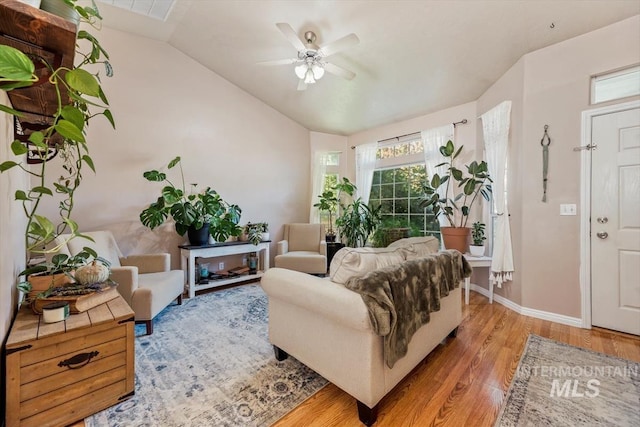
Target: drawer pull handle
[{"x": 78, "y": 361}]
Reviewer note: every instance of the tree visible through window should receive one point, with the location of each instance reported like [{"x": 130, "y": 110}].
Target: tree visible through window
[
  {"x": 397, "y": 187},
  {"x": 399, "y": 192}
]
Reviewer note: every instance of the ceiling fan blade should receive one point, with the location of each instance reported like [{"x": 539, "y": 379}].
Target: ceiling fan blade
[
  {"x": 291, "y": 36},
  {"x": 339, "y": 71},
  {"x": 340, "y": 44},
  {"x": 302, "y": 85},
  {"x": 280, "y": 62}
]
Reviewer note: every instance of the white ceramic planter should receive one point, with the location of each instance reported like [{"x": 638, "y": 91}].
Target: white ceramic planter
[{"x": 476, "y": 250}]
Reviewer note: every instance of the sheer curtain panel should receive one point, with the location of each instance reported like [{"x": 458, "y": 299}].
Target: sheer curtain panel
[
  {"x": 495, "y": 126},
  {"x": 432, "y": 140},
  {"x": 365, "y": 165},
  {"x": 319, "y": 170}
]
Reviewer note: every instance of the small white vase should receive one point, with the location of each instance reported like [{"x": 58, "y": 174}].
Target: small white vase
[
  {"x": 476, "y": 250},
  {"x": 265, "y": 236}
]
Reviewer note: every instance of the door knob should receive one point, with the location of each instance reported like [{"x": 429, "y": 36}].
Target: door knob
[
  {"x": 602, "y": 234},
  {"x": 603, "y": 220}
]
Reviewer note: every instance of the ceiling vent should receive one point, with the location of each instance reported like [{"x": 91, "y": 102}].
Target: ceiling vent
[{"x": 157, "y": 9}]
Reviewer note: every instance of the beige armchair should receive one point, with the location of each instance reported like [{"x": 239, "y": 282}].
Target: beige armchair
[
  {"x": 303, "y": 249},
  {"x": 146, "y": 282}
]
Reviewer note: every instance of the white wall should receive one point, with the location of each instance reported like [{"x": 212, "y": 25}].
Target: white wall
[
  {"x": 551, "y": 87},
  {"x": 165, "y": 104}
]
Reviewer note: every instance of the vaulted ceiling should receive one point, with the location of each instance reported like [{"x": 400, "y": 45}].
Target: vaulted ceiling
[{"x": 414, "y": 57}]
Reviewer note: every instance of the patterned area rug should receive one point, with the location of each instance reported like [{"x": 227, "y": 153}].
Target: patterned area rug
[
  {"x": 561, "y": 385},
  {"x": 209, "y": 363}
]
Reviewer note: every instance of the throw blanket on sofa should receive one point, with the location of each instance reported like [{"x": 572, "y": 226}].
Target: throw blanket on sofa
[{"x": 401, "y": 297}]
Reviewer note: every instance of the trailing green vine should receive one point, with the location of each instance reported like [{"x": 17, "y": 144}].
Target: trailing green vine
[{"x": 70, "y": 123}]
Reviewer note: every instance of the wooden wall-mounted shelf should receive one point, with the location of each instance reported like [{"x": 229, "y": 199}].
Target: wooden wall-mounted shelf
[{"x": 44, "y": 37}]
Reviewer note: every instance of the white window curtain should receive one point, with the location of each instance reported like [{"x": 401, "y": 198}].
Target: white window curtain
[
  {"x": 432, "y": 140},
  {"x": 495, "y": 125},
  {"x": 365, "y": 165},
  {"x": 318, "y": 172}
]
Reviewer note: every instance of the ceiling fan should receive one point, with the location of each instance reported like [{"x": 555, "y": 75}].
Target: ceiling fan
[{"x": 311, "y": 57}]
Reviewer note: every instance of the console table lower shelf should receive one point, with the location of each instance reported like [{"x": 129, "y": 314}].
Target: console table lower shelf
[
  {"x": 188, "y": 255},
  {"x": 59, "y": 373}
]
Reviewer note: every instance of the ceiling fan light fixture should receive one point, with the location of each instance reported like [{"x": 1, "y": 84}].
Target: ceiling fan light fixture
[
  {"x": 308, "y": 78},
  {"x": 301, "y": 70},
  {"x": 318, "y": 71}
]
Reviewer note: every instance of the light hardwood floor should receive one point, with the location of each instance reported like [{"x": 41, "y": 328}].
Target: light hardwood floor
[{"x": 463, "y": 382}]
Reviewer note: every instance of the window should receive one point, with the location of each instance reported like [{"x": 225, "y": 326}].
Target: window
[
  {"x": 615, "y": 85},
  {"x": 330, "y": 179},
  {"x": 397, "y": 187}
]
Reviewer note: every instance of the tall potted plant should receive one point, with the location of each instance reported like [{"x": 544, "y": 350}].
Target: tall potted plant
[
  {"x": 200, "y": 214},
  {"x": 460, "y": 193},
  {"x": 328, "y": 202},
  {"x": 356, "y": 220}
]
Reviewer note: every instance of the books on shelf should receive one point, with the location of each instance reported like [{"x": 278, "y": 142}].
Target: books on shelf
[{"x": 80, "y": 303}]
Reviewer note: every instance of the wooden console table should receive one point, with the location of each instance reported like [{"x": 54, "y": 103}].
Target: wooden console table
[
  {"x": 59, "y": 373},
  {"x": 188, "y": 254}
]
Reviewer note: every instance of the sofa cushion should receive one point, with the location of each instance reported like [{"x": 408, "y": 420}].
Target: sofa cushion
[
  {"x": 417, "y": 247},
  {"x": 304, "y": 237},
  {"x": 351, "y": 262},
  {"x": 304, "y": 261}
]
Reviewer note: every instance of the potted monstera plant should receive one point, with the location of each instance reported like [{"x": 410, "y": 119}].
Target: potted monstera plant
[
  {"x": 199, "y": 213},
  {"x": 256, "y": 232},
  {"x": 460, "y": 192}
]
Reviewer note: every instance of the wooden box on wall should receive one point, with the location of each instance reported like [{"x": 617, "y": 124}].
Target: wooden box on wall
[{"x": 59, "y": 373}]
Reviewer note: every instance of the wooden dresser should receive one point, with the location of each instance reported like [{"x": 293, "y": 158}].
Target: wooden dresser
[{"x": 59, "y": 373}]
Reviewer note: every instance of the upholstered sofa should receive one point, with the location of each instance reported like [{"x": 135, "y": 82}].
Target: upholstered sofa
[{"x": 327, "y": 326}]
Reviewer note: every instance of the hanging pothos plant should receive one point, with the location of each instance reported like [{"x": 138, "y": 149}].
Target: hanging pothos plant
[{"x": 69, "y": 123}]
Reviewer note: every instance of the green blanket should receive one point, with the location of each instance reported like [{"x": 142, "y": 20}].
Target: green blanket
[{"x": 401, "y": 297}]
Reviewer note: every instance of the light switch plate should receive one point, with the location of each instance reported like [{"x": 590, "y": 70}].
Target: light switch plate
[{"x": 568, "y": 209}]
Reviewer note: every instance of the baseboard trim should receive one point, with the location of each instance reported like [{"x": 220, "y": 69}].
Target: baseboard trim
[{"x": 531, "y": 312}]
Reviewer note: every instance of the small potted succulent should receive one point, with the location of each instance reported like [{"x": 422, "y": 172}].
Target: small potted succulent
[{"x": 477, "y": 235}]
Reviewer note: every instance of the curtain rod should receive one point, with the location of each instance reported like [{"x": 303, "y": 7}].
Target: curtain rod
[{"x": 461, "y": 122}]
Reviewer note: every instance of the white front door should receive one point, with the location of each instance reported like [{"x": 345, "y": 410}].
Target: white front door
[{"x": 615, "y": 221}]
